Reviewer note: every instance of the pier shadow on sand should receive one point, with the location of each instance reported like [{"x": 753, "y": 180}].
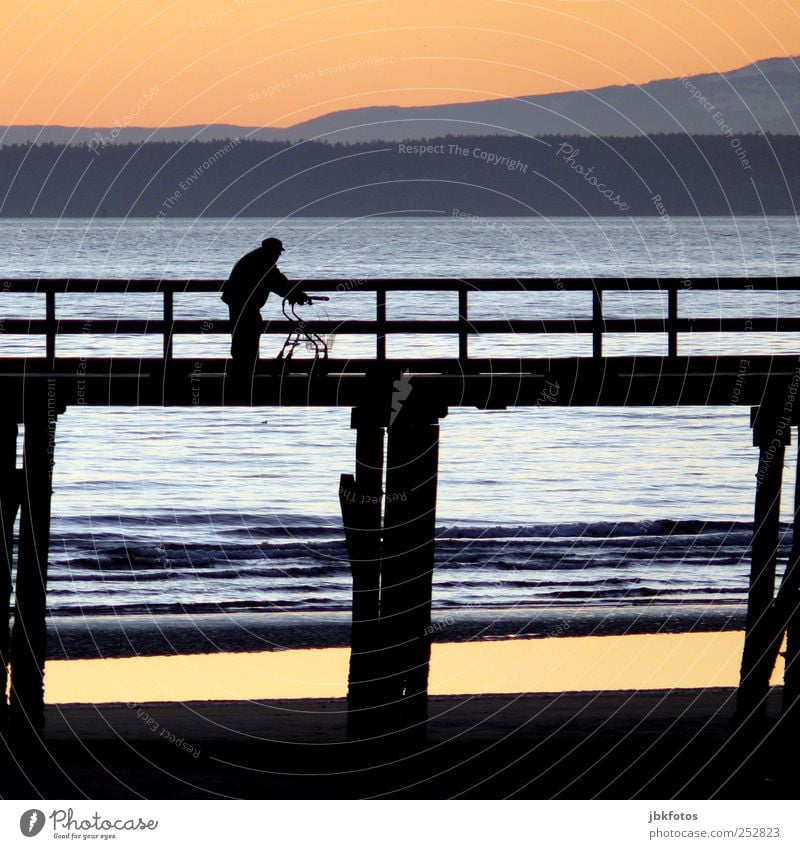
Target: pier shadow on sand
[{"x": 619, "y": 745}]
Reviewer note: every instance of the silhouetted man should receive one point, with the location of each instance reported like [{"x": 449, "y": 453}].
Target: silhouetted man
[{"x": 246, "y": 291}]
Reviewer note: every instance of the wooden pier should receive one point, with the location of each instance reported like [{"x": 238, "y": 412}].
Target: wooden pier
[{"x": 388, "y": 500}]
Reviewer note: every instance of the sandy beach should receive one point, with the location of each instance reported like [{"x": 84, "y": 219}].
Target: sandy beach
[
  {"x": 627, "y": 744},
  {"x": 550, "y": 665},
  {"x": 645, "y": 716}
]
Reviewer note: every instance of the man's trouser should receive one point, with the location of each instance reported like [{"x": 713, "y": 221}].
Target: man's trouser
[{"x": 246, "y": 337}]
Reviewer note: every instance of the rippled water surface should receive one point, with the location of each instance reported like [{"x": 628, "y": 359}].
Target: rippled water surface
[{"x": 222, "y": 510}]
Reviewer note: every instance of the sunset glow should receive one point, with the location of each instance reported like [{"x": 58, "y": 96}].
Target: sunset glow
[{"x": 276, "y": 63}]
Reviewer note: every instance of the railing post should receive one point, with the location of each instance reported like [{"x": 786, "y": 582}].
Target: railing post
[
  {"x": 169, "y": 322},
  {"x": 463, "y": 322},
  {"x": 380, "y": 315},
  {"x": 597, "y": 320},
  {"x": 50, "y": 319},
  {"x": 672, "y": 322}
]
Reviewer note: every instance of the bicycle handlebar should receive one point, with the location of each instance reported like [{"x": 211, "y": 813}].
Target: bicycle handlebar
[{"x": 287, "y": 299}]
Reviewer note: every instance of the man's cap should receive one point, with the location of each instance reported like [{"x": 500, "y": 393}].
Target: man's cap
[{"x": 272, "y": 244}]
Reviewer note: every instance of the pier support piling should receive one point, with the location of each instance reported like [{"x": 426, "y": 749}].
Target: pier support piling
[
  {"x": 787, "y": 616},
  {"x": 29, "y": 635},
  {"x": 390, "y": 539},
  {"x": 771, "y": 436},
  {"x": 361, "y": 501},
  {"x": 791, "y": 677},
  {"x": 9, "y": 505},
  {"x": 407, "y": 569}
]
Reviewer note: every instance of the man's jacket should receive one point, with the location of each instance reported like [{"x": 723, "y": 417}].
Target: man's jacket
[{"x": 253, "y": 277}]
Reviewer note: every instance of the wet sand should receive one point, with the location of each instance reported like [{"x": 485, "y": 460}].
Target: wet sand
[
  {"x": 104, "y": 636},
  {"x": 629, "y": 662}
]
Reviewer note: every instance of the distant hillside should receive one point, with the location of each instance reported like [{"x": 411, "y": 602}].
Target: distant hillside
[
  {"x": 678, "y": 175},
  {"x": 763, "y": 97}
]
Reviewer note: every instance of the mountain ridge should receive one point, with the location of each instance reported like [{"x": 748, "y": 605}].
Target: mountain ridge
[{"x": 761, "y": 97}]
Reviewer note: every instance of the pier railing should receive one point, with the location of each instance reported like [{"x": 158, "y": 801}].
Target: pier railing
[{"x": 462, "y": 325}]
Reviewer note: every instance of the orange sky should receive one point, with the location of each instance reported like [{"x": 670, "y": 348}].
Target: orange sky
[{"x": 277, "y": 62}]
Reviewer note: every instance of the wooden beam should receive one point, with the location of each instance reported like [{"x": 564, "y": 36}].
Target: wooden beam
[
  {"x": 488, "y": 383},
  {"x": 29, "y": 635}
]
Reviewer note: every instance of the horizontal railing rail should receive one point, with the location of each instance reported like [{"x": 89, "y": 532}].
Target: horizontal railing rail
[{"x": 462, "y": 326}]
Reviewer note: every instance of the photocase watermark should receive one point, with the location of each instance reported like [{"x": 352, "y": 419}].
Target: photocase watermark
[
  {"x": 69, "y": 826},
  {"x": 357, "y": 497},
  {"x": 352, "y": 284},
  {"x": 439, "y": 626},
  {"x": 494, "y": 225},
  {"x": 194, "y": 382},
  {"x": 548, "y": 394},
  {"x": 748, "y": 323},
  {"x": 783, "y": 424},
  {"x": 400, "y": 392},
  {"x": 101, "y": 140},
  {"x": 557, "y": 630},
  {"x": 569, "y": 155},
  {"x": 32, "y": 822},
  {"x": 318, "y": 73},
  {"x": 666, "y": 219},
  {"x": 219, "y": 13},
  {"x": 80, "y": 370},
  {"x": 497, "y": 160},
  {"x": 167, "y": 205},
  {"x": 163, "y": 733},
  {"x": 719, "y": 119},
  {"x": 740, "y": 377},
  {"x": 190, "y": 179},
  {"x": 207, "y": 163}
]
